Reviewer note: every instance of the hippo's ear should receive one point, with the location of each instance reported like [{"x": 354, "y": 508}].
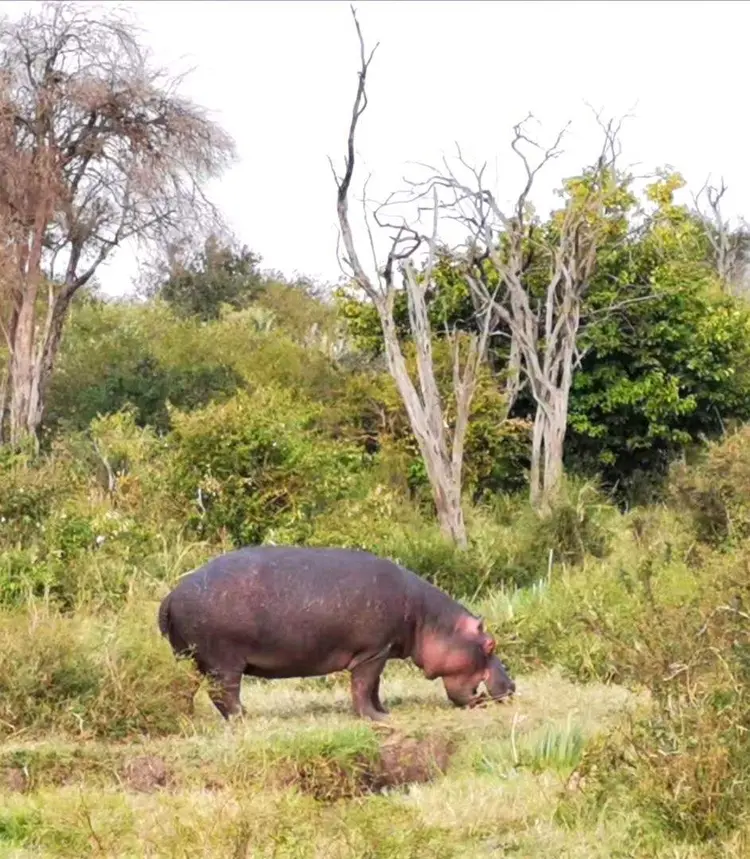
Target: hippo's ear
[{"x": 489, "y": 646}]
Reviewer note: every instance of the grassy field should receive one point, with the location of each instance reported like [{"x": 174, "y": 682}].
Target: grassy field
[
  {"x": 300, "y": 777},
  {"x": 99, "y": 757},
  {"x": 100, "y": 754}
]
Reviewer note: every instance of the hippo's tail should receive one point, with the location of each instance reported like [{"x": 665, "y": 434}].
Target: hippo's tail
[
  {"x": 167, "y": 628},
  {"x": 164, "y": 616}
]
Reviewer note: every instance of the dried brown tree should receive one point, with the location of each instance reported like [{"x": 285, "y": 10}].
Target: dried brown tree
[
  {"x": 541, "y": 315},
  {"x": 441, "y": 446},
  {"x": 96, "y": 147},
  {"x": 730, "y": 246}
]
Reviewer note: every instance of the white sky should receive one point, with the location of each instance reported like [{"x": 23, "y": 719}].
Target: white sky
[{"x": 280, "y": 76}]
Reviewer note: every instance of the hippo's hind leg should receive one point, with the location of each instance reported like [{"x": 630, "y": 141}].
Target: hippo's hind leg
[
  {"x": 365, "y": 686},
  {"x": 225, "y": 691}
]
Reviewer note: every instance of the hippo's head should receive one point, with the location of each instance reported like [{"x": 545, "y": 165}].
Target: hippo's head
[
  {"x": 498, "y": 682},
  {"x": 468, "y": 660}
]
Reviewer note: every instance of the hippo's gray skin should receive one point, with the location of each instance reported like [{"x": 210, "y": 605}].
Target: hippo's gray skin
[{"x": 277, "y": 611}]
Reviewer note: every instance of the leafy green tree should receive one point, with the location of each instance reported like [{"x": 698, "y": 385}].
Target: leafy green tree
[
  {"x": 672, "y": 364},
  {"x": 215, "y": 276},
  {"x": 120, "y": 354},
  {"x": 665, "y": 351}
]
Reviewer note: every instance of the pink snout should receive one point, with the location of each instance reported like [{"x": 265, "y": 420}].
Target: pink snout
[
  {"x": 499, "y": 684},
  {"x": 463, "y": 690}
]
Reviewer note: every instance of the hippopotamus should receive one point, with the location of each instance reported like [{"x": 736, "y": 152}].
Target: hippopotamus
[{"x": 284, "y": 611}]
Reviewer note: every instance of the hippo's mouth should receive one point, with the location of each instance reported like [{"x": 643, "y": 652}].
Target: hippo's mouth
[{"x": 481, "y": 698}]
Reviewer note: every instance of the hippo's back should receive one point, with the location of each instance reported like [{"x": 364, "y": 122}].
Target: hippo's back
[
  {"x": 279, "y": 593},
  {"x": 293, "y": 568}
]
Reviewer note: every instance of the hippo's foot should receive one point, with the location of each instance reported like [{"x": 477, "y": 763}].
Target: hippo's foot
[{"x": 371, "y": 713}]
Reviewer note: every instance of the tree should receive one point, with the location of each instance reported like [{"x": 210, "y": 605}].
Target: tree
[
  {"x": 441, "y": 446},
  {"x": 96, "y": 147},
  {"x": 730, "y": 247},
  {"x": 664, "y": 351},
  {"x": 216, "y": 275},
  {"x": 668, "y": 368},
  {"x": 530, "y": 278}
]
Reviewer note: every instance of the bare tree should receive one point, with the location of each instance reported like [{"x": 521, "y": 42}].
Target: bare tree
[
  {"x": 730, "y": 247},
  {"x": 96, "y": 147},
  {"x": 531, "y": 278},
  {"x": 441, "y": 446}
]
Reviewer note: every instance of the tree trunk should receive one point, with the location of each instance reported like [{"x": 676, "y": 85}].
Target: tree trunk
[
  {"x": 446, "y": 493},
  {"x": 425, "y": 419},
  {"x": 31, "y": 363},
  {"x": 537, "y": 450},
  {"x": 547, "y": 449},
  {"x": 49, "y": 348},
  {"x": 553, "y": 457},
  {"x": 22, "y": 375}
]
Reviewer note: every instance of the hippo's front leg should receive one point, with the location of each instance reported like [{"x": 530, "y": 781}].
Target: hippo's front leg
[
  {"x": 376, "y": 702},
  {"x": 365, "y": 689}
]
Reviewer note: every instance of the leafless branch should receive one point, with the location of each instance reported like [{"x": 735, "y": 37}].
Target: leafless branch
[
  {"x": 730, "y": 247},
  {"x": 440, "y": 445},
  {"x": 502, "y": 249}
]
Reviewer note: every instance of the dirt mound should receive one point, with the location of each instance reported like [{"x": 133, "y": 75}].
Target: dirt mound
[
  {"x": 400, "y": 761},
  {"x": 146, "y": 773},
  {"x": 405, "y": 760}
]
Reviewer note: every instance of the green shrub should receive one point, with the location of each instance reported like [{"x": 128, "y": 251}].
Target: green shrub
[
  {"x": 716, "y": 490},
  {"x": 651, "y": 619},
  {"x": 685, "y": 763},
  {"x": 94, "y": 512},
  {"x": 30, "y": 488},
  {"x": 509, "y": 544},
  {"x": 257, "y": 463},
  {"x": 90, "y": 675}
]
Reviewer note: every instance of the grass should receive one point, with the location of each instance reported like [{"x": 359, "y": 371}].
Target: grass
[
  {"x": 633, "y": 746},
  {"x": 299, "y": 776}
]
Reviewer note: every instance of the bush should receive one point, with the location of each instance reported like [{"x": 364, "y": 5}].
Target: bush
[
  {"x": 29, "y": 490},
  {"x": 96, "y": 677},
  {"x": 716, "y": 490},
  {"x": 509, "y": 544},
  {"x": 89, "y": 517},
  {"x": 257, "y": 463},
  {"x": 651, "y": 618},
  {"x": 685, "y": 763}
]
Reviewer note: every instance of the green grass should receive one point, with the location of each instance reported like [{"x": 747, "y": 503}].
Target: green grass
[
  {"x": 287, "y": 780},
  {"x": 300, "y": 778},
  {"x": 104, "y": 752}
]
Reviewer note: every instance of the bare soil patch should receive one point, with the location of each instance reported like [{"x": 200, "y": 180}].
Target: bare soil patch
[{"x": 146, "y": 773}]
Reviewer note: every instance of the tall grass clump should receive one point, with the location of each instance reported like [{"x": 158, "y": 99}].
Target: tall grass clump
[
  {"x": 89, "y": 675},
  {"x": 665, "y": 618}
]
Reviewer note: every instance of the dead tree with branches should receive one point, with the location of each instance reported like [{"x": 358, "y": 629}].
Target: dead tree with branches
[
  {"x": 730, "y": 246},
  {"x": 441, "y": 446},
  {"x": 532, "y": 278},
  {"x": 96, "y": 147}
]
